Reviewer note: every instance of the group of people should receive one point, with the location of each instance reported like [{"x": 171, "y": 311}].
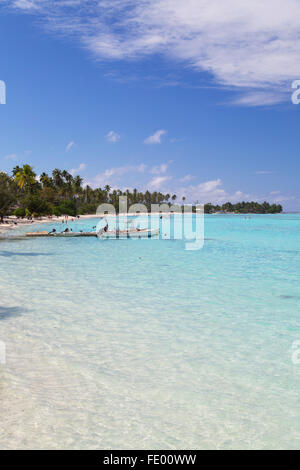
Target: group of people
[
  {"x": 67, "y": 230},
  {"x": 66, "y": 219}
]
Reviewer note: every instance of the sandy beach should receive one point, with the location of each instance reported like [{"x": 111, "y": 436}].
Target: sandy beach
[{"x": 13, "y": 223}]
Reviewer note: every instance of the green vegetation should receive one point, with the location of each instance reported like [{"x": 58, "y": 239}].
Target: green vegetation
[
  {"x": 22, "y": 194},
  {"x": 8, "y": 194},
  {"x": 244, "y": 208}
]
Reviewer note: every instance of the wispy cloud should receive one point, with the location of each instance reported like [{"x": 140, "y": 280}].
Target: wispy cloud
[
  {"x": 264, "y": 172},
  {"x": 210, "y": 191},
  {"x": 70, "y": 146},
  {"x": 158, "y": 182},
  {"x": 113, "y": 137},
  {"x": 156, "y": 138},
  {"x": 76, "y": 171},
  {"x": 240, "y": 43},
  {"x": 186, "y": 178},
  {"x": 259, "y": 98},
  {"x": 114, "y": 176},
  {"x": 11, "y": 156},
  {"x": 26, "y": 4},
  {"x": 214, "y": 191},
  {"x": 157, "y": 170},
  {"x": 280, "y": 198}
]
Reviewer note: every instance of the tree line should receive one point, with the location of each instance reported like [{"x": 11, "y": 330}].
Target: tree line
[
  {"x": 244, "y": 208},
  {"x": 25, "y": 195}
]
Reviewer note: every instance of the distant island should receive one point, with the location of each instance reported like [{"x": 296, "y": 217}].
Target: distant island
[
  {"x": 244, "y": 208},
  {"x": 24, "y": 195}
]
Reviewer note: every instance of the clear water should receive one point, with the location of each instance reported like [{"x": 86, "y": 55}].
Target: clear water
[{"x": 142, "y": 344}]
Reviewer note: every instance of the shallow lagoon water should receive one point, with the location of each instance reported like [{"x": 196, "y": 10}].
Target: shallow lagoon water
[{"x": 142, "y": 344}]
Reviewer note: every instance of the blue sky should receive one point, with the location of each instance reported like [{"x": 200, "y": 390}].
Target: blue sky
[{"x": 194, "y": 101}]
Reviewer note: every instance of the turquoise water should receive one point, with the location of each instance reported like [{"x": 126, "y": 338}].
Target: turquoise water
[{"x": 142, "y": 344}]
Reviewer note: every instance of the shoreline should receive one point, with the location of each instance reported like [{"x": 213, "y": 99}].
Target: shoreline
[{"x": 14, "y": 223}]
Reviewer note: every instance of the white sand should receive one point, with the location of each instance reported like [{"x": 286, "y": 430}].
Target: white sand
[{"x": 14, "y": 222}]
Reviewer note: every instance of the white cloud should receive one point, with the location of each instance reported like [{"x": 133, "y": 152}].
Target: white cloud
[
  {"x": 157, "y": 170},
  {"x": 70, "y": 146},
  {"x": 156, "y": 138},
  {"x": 186, "y": 178},
  {"x": 113, "y": 137},
  {"x": 25, "y": 4},
  {"x": 259, "y": 98},
  {"x": 240, "y": 43},
  {"x": 214, "y": 192},
  {"x": 76, "y": 171},
  {"x": 277, "y": 197},
  {"x": 12, "y": 157},
  {"x": 132, "y": 175},
  {"x": 210, "y": 191},
  {"x": 113, "y": 176},
  {"x": 158, "y": 182},
  {"x": 135, "y": 176},
  {"x": 264, "y": 172}
]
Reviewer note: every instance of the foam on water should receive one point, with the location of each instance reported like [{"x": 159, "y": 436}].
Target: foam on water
[{"x": 142, "y": 344}]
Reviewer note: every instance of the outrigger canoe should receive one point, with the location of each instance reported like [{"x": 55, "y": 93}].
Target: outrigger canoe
[
  {"x": 142, "y": 233},
  {"x": 110, "y": 234},
  {"x": 61, "y": 235},
  {"x": 75, "y": 234},
  {"x": 37, "y": 234}
]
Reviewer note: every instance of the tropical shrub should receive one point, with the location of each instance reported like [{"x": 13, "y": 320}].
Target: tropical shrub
[
  {"x": 66, "y": 208},
  {"x": 20, "y": 212},
  {"x": 36, "y": 205}
]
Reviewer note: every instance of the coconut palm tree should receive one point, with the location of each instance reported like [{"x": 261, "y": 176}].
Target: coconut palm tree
[
  {"x": 25, "y": 177},
  {"x": 16, "y": 170},
  {"x": 57, "y": 178},
  {"x": 46, "y": 180},
  {"x": 77, "y": 183}
]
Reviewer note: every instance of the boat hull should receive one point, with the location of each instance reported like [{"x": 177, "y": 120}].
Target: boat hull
[
  {"x": 61, "y": 235},
  {"x": 112, "y": 234}
]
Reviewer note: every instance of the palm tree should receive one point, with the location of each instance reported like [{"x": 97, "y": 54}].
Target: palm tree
[
  {"x": 77, "y": 182},
  {"x": 88, "y": 193},
  {"x": 135, "y": 191},
  {"x": 57, "y": 178},
  {"x": 45, "y": 180},
  {"x": 107, "y": 189},
  {"x": 25, "y": 177},
  {"x": 16, "y": 170},
  {"x": 68, "y": 183}
]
